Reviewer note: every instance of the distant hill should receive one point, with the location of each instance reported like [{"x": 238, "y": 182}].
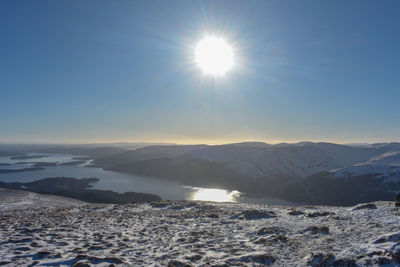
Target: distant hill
[
  {"x": 315, "y": 173},
  {"x": 302, "y": 172}
]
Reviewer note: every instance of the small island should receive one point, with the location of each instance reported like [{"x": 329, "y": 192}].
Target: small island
[
  {"x": 21, "y": 170},
  {"x": 72, "y": 163},
  {"x": 79, "y": 189},
  {"x": 44, "y": 164},
  {"x": 23, "y": 157}
]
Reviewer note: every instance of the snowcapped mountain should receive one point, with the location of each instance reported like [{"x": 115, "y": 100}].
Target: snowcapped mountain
[
  {"x": 297, "y": 160},
  {"x": 366, "y": 172},
  {"x": 386, "y": 164},
  {"x": 385, "y": 167}
]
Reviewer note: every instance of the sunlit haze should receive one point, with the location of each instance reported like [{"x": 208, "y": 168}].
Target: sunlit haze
[{"x": 199, "y": 71}]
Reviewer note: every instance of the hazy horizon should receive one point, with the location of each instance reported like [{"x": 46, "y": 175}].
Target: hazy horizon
[{"x": 155, "y": 142}]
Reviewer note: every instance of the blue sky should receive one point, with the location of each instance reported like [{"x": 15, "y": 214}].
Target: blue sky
[{"x": 92, "y": 71}]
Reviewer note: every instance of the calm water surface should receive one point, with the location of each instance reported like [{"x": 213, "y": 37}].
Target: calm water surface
[{"x": 121, "y": 182}]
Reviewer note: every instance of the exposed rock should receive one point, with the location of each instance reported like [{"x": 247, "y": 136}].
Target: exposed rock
[
  {"x": 273, "y": 239},
  {"x": 382, "y": 260},
  {"x": 270, "y": 230},
  {"x": 317, "y": 229},
  {"x": 82, "y": 264},
  {"x": 344, "y": 263},
  {"x": 46, "y": 254},
  {"x": 158, "y": 204},
  {"x": 193, "y": 258},
  {"x": 296, "y": 212},
  {"x": 177, "y": 207},
  {"x": 393, "y": 237},
  {"x": 254, "y": 258},
  {"x": 176, "y": 263},
  {"x": 320, "y": 260},
  {"x": 369, "y": 206},
  {"x": 319, "y": 214},
  {"x": 254, "y": 215},
  {"x": 394, "y": 251}
]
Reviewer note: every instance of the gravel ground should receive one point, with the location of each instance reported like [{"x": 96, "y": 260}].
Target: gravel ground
[{"x": 197, "y": 234}]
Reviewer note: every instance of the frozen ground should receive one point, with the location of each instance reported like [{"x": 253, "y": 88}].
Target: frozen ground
[
  {"x": 17, "y": 199},
  {"x": 200, "y": 234}
]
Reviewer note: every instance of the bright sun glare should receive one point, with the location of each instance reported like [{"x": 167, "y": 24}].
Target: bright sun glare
[
  {"x": 214, "y": 56},
  {"x": 217, "y": 195}
]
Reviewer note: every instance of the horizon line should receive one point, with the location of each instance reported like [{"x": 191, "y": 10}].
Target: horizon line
[{"x": 149, "y": 142}]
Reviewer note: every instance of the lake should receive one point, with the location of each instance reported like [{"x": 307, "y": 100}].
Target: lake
[{"x": 119, "y": 182}]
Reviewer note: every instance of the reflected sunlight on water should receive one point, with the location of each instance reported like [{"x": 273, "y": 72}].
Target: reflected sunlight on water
[{"x": 218, "y": 195}]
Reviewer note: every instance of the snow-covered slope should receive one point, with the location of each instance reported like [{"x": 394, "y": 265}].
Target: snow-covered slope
[
  {"x": 202, "y": 234},
  {"x": 297, "y": 172},
  {"x": 17, "y": 199},
  {"x": 295, "y": 160},
  {"x": 260, "y": 160},
  {"x": 386, "y": 165}
]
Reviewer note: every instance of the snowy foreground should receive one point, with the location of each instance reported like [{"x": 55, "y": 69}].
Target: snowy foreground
[{"x": 200, "y": 234}]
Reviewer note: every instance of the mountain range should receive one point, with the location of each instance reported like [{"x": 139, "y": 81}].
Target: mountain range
[{"x": 306, "y": 172}]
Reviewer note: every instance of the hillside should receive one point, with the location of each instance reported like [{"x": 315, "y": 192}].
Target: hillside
[
  {"x": 287, "y": 171},
  {"x": 11, "y": 200}
]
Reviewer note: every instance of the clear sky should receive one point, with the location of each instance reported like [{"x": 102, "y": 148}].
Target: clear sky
[{"x": 95, "y": 70}]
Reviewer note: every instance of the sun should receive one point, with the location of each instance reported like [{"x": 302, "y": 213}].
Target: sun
[{"x": 214, "y": 56}]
